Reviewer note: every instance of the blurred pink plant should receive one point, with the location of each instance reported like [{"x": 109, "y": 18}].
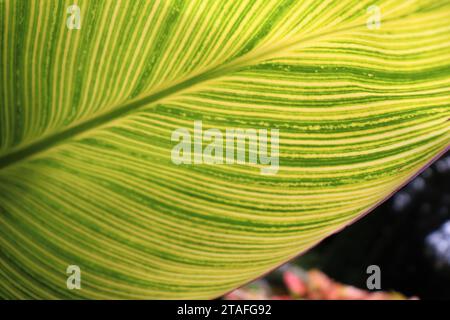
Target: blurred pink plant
[{"x": 311, "y": 285}]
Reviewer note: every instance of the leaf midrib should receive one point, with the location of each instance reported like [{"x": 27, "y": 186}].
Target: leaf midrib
[
  {"x": 95, "y": 122},
  {"x": 27, "y": 151}
]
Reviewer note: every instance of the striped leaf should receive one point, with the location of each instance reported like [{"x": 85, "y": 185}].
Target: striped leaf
[{"x": 89, "y": 104}]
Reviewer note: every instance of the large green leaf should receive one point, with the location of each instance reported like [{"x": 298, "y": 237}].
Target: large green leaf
[{"x": 86, "y": 119}]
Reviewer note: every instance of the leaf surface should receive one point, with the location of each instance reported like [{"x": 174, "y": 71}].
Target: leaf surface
[{"x": 86, "y": 119}]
